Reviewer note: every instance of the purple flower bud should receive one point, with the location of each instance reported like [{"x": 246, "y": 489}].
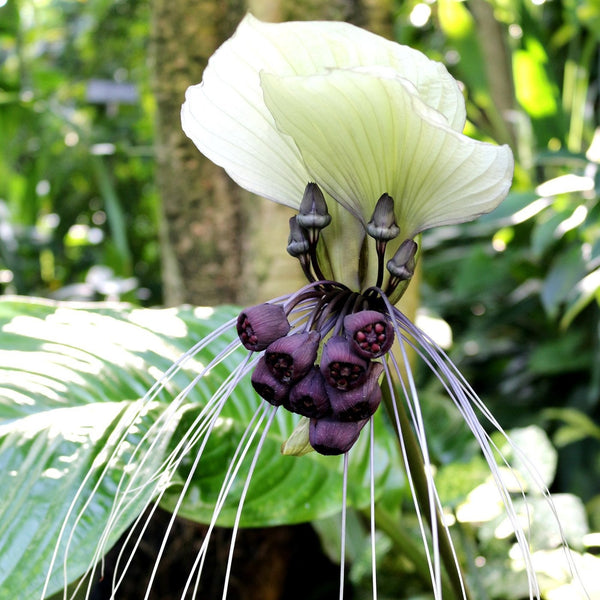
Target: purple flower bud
[
  {"x": 260, "y": 325},
  {"x": 361, "y": 402},
  {"x": 331, "y": 437},
  {"x": 313, "y": 212},
  {"x": 298, "y": 243},
  {"x": 291, "y": 358},
  {"x": 402, "y": 264},
  {"x": 382, "y": 225},
  {"x": 268, "y": 387},
  {"x": 308, "y": 397},
  {"x": 370, "y": 332},
  {"x": 342, "y": 368}
]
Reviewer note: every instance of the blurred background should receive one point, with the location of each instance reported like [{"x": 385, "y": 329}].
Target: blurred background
[{"x": 103, "y": 198}]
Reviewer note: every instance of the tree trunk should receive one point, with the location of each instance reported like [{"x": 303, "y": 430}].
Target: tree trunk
[{"x": 202, "y": 210}]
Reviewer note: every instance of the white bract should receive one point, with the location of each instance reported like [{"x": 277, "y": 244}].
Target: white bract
[{"x": 284, "y": 104}]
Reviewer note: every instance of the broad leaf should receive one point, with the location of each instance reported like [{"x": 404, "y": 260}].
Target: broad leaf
[{"x": 75, "y": 432}]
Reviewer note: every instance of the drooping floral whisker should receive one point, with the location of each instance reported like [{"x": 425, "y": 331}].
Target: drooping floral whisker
[
  {"x": 243, "y": 498},
  {"x": 233, "y": 469},
  {"x": 134, "y": 481},
  {"x": 466, "y": 401},
  {"x": 434, "y": 508},
  {"x": 372, "y": 505},
  {"x": 200, "y": 429},
  {"x": 343, "y": 526}
]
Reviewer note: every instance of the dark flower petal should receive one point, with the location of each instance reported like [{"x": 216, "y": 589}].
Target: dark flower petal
[
  {"x": 370, "y": 332},
  {"x": 309, "y": 397},
  {"x": 342, "y": 368},
  {"x": 268, "y": 387},
  {"x": 260, "y": 325},
  {"x": 331, "y": 437},
  {"x": 361, "y": 402},
  {"x": 291, "y": 358}
]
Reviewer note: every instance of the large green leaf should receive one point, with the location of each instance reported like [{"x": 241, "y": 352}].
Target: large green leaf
[{"x": 74, "y": 434}]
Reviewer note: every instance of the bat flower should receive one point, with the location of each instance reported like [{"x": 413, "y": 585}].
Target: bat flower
[
  {"x": 362, "y": 137},
  {"x": 281, "y": 105}
]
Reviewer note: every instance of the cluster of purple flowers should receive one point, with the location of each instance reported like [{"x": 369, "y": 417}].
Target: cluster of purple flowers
[
  {"x": 340, "y": 394},
  {"x": 347, "y": 329}
]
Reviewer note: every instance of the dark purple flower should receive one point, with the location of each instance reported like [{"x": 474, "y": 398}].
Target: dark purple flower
[
  {"x": 260, "y": 325},
  {"x": 291, "y": 358},
  {"x": 361, "y": 402},
  {"x": 371, "y": 333},
  {"x": 330, "y": 437},
  {"x": 342, "y": 368},
  {"x": 309, "y": 397},
  {"x": 268, "y": 387}
]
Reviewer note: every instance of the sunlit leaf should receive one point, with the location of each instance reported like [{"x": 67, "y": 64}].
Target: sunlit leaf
[
  {"x": 535, "y": 91},
  {"x": 70, "y": 383}
]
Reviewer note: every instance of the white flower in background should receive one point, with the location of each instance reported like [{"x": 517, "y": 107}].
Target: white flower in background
[{"x": 284, "y": 104}]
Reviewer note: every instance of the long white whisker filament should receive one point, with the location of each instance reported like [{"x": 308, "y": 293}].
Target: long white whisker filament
[
  {"x": 234, "y": 466},
  {"x": 412, "y": 400},
  {"x": 117, "y": 441},
  {"x": 408, "y": 471},
  {"x": 238, "y": 515},
  {"x": 372, "y": 507},
  {"x": 463, "y": 395},
  {"x": 229, "y": 389},
  {"x": 343, "y": 527}
]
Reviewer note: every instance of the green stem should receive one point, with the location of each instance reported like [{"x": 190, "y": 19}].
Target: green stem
[
  {"x": 417, "y": 469},
  {"x": 405, "y": 544}
]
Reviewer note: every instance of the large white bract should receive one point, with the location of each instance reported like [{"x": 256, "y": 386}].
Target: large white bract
[{"x": 284, "y": 104}]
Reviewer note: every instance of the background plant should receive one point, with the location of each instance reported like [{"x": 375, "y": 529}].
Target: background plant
[{"x": 519, "y": 288}]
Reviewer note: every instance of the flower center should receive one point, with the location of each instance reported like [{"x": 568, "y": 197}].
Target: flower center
[{"x": 348, "y": 329}]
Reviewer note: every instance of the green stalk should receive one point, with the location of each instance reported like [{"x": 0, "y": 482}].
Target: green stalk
[
  {"x": 417, "y": 469},
  {"x": 405, "y": 544}
]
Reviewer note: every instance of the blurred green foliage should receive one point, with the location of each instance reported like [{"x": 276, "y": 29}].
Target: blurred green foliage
[
  {"x": 76, "y": 168},
  {"x": 520, "y": 287}
]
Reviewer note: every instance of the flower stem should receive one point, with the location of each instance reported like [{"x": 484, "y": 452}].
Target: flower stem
[
  {"x": 415, "y": 459},
  {"x": 388, "y": 524}
]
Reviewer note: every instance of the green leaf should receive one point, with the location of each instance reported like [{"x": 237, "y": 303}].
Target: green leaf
[
  {"x": 72, "y": 431},
  {"x": 535, "y": 451},
  {"x": 535, "y": 91},
  {"x": 70, "y": 379},
  {"x": 563, "y": 355},
  {"x": 586, "y": 290},
  {"x": 577, "y": 425},
  {"x": 45, "y": 458},
  {"x": 567, "y": 270}
]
